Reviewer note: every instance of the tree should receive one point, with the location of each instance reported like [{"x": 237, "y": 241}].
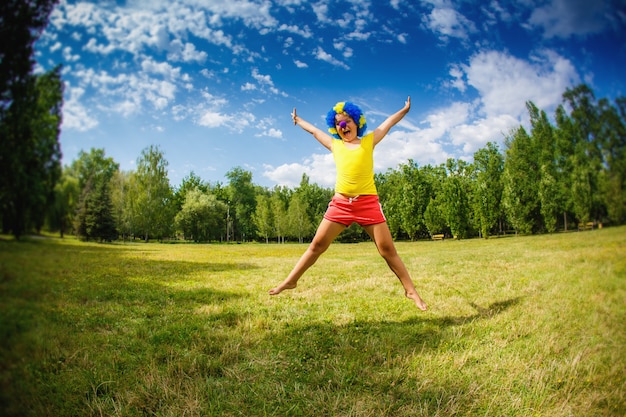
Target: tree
[
  {"x": 315, "y": 198},
  {"x": 29, "y": 119},
  {"x": 543, "y": 138},
  {"x": 587, "y": 156},
  {"x": 67, "y": 195},
  {"x": 190, "y": 182},
  {"x": 413, "y": 197},
  {"x": 298, "y": 219},
  {"x": 487, "y": 188},
  {"x": 612, "y": 179},
  {"x": 521, "y": 177},
  {"x": 93, "y": 172},
  {"x": 434, "y": 217},
  {"x": 154, "y": 203},
  {"x": 95, "y": 215},
  {"x": 123, "y": 196},
  {"x": 262, "y": 217},
  {"x": 456, "y": 197},
  {"x": 242, "y": 199},
  {"x": 201, "y": 216},
  {"x": 279, "y": 200},
  {"x": 30, "y": 160}
]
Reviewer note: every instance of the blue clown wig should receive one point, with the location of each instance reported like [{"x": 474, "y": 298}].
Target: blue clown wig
[{"x": 349, "y": 109}]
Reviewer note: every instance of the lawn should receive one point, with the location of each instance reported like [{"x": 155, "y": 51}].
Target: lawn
[{"x": 517, "y": 326}]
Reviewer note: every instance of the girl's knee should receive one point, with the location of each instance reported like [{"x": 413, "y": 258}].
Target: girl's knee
[
  {"x": 318, "y": 247},
  {"x": 387, "y": 251}
]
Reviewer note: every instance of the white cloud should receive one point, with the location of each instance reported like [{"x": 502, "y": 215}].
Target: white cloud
[
  {"x": 161, "y": 68},
  {"x": 564, "y": 18},
  {"x": 320, "y": 168},
  {"x": 326, "y": 57},
  {"x": 214, "y": 119},
  {"x": 75, "y": 115},
  {"x": 321, "y": 11},
  {"x": 505, "y": 83},
  {"x": 272, "y": 133},
  {"x": 300, "y": 64},
  {"x": 265, "y": 81},
  {"x": 248, "y": 87},
  {"x": 305, "y": 31},
  {"x": 186, "y": 53},
  {"x": 68, "y": 56},
  {"x": 448, "y": 23}
]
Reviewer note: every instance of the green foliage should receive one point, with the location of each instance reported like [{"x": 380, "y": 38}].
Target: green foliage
[
  {"x": 299, "y": 223},
  {"x": 521, "y": 178},
  {"x": 30, "y": 154},
  {"x": 154, "y": 205},
  {"x": 30, "y": 118},
  {"x": 201, "y": 217},
  {"x": 487, "y": 188},
  {"x": 263, "y": 217},
  {"x": 545, "y": 179},
  {"x": 242, "y": 200}
]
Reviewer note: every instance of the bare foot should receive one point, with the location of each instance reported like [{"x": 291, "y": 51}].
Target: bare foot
[
  {"x": 281, "y": 287},
  {"x": 418, "y": 300}
]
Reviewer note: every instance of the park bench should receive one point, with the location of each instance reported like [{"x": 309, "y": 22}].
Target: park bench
[
  {"x": 586, "y": 226},
  {"x": 438, "y": 237}
]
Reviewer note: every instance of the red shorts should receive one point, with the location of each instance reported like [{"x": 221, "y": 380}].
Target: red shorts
[{"x": 363, "y": 210}]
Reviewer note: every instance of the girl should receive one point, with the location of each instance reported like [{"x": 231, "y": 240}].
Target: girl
[{"x": 356, "y": 198}]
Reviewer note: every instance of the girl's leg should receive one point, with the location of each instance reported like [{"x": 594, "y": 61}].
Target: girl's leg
[
  {"x": 381, "y": 236},
  {"x": 326, "y": 233}
]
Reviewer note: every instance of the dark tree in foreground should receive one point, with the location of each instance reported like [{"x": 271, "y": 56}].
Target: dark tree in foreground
[{"x": 30, "y": 116}]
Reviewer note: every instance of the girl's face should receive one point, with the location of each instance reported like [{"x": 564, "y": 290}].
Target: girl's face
[{"x": 346, "y": 127}]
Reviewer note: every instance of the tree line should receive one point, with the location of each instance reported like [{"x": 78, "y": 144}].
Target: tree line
[
  {"x": 558, "y": 174},
  {"x": 549, "y": 177}
]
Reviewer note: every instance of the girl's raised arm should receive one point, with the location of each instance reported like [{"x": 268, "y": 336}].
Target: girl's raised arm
[
  {"x": 322, "y": 137},
  {"x": 383, "y": 128}
]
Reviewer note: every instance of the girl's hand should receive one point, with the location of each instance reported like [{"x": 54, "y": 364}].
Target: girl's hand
[
  {"x": 407, "y": 104},
  {"x": 294, "y": 116}
]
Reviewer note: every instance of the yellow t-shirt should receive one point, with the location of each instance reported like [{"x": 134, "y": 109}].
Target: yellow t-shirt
[{"x": 355, "y": 167}]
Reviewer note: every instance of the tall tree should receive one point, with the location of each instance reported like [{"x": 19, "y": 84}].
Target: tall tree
[
  {"x": 94, "y": 171},
  {"x": 587, "y": 156},
  {"x": 487, "y": 193},
  {"x": 315, "y": 198},
  {"x": 612, "y": 181},
  {"x": 262, "y": 217},
  {"x": 242, "y": 202},
  {"x": 521, "y": 177},
  {"x": 456, "y": 197},
  {"x": 279, "y": 201},
  {"x": 414, "y": 196},
  {"x": 543, "y": 137},
  {"x": 155, "y": 210},
  {"x": 30, "y": 129},
  {"x": 67, "y": 194},
  {"x": 30, "y": 116},
  {"x": 300, "y": 224},
  {"x": 123, "y": 196}
]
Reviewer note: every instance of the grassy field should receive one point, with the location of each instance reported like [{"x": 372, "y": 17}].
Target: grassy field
[{"x": 517, "y": 326}]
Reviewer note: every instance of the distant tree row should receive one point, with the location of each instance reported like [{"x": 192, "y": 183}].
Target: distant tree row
[{"x": 547, "y": 179}]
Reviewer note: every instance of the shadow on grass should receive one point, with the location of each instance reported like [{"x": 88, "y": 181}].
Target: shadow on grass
[
  {"x": 375, "y": 361},
  {"x": 409, "y": 335}
]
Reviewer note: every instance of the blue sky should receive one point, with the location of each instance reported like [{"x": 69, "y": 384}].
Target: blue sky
[{"x": 213, "y": 82}]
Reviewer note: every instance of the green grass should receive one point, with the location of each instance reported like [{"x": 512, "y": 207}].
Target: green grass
[{"x": 518, "y": 326}]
